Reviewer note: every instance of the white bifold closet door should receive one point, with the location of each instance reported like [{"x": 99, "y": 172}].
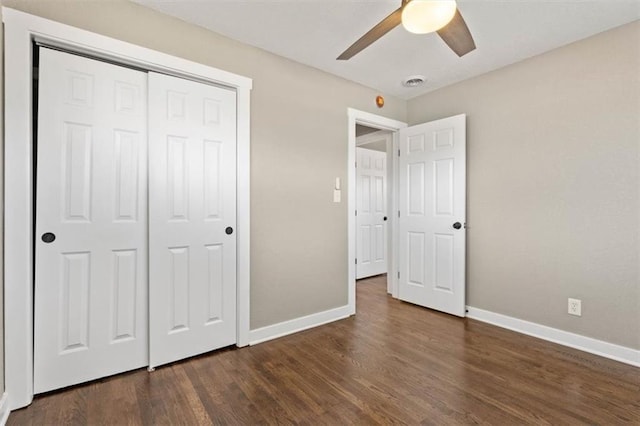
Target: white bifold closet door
[
  {"x": 192, "y": 201},
  {"x": 91, "y": 280}
]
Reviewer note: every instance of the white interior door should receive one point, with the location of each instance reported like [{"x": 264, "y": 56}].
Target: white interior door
[
  {"x": 432, "y": 214},
  {"x": 371, "y": 181},
  {"x": 91, "y": 281},
  {"x": 192, "y": 214}
]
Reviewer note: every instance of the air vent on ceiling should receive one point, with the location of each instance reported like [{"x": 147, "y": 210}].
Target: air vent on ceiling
[{"x": 414, "y": 81}]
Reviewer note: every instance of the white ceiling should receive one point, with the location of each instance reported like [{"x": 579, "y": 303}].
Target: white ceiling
[{"x": 315, "y": 32}]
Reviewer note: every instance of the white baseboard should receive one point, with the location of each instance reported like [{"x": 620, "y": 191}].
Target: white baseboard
[
  {"x": 572, "y": 340},
  {"x": 4, "y": 409},
  {"x": 284, "y": 328}
]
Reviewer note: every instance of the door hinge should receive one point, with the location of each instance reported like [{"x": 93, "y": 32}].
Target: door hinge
[
  {"x": 356, "y": 164},
  {"x": 398, "y": 153},
  {"x": 356, "y": 261},
  {"x": 398, "y": 274},
  {"x": 356, "y": 212},
  {"x": 398, "y": 213}
]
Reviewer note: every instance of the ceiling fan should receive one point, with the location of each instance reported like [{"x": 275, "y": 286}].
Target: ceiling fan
[{"x": 421, "y": 17}]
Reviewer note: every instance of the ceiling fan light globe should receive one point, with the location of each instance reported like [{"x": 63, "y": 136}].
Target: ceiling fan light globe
[{"x": 427, "y": 16}]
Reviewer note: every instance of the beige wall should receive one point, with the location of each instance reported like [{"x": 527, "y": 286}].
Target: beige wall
[
  {"x": 553, "y": 185},
  {"x": 298, "y": 148}
]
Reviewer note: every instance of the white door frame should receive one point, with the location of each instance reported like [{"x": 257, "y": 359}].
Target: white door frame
[
  {"x": 376, "y": 121},
  {"x": 21, "y": 30}
]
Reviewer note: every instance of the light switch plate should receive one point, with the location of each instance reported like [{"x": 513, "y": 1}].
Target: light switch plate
[{"x": 336, "y": 195}]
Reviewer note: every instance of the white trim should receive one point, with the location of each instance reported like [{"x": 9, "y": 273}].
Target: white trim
[
  {"x": 372, "y": 120},
  {"x": 392, "y": 284},
  {"x": 4, "y": 409},
  {"x": 18, "y": 235},
  {"x": 21, "y": 29},
  {"x": 63, "y": 36},
  {"x": 296, "y": 325},
  {"x": 243, "y": 216},
  {"x": 561, "y": 337}
]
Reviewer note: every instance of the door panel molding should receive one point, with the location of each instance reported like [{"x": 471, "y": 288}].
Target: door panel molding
[{"x": 21, "y": 29}]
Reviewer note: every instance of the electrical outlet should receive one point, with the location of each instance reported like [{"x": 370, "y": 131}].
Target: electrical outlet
[{"x": 575, "y": 307}]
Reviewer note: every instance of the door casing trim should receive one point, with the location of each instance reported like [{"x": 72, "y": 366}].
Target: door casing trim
[{"x": 21, "y": 31}]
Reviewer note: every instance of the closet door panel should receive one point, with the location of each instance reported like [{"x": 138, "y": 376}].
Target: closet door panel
[
  {"x": 91, "y": 221},
  {"x": 192, "y": 213}
]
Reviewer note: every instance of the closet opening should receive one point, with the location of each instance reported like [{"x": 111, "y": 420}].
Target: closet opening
[{"x": 25, "y": 38}]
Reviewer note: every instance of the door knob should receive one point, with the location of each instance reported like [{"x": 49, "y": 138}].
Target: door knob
[
  {"x": 48, "y": 237},
  {"x": 384, "y": 218},
  {"x": 229, "y": 230},
  {"x": 457, "y": 225}
]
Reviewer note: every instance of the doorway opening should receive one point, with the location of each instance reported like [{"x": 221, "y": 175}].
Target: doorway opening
[{"x": 372, "y": 189}]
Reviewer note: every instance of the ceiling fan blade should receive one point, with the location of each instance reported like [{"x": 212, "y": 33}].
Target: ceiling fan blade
[
  {"x": 386, "y": 25},
  {"x": 457, "y": 35}
]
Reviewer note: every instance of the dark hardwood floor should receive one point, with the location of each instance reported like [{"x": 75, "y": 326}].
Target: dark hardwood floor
[{"x": 392, "y": 363}]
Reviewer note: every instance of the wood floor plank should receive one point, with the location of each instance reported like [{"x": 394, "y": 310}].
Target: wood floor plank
[{"x": 393, "y": 363}]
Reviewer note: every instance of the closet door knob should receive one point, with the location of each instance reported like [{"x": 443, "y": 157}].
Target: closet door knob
[
  {"x": 48, "y": 237},
  {"x": 229, "y": 230},
  {"x": 457, "y": 225}
]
